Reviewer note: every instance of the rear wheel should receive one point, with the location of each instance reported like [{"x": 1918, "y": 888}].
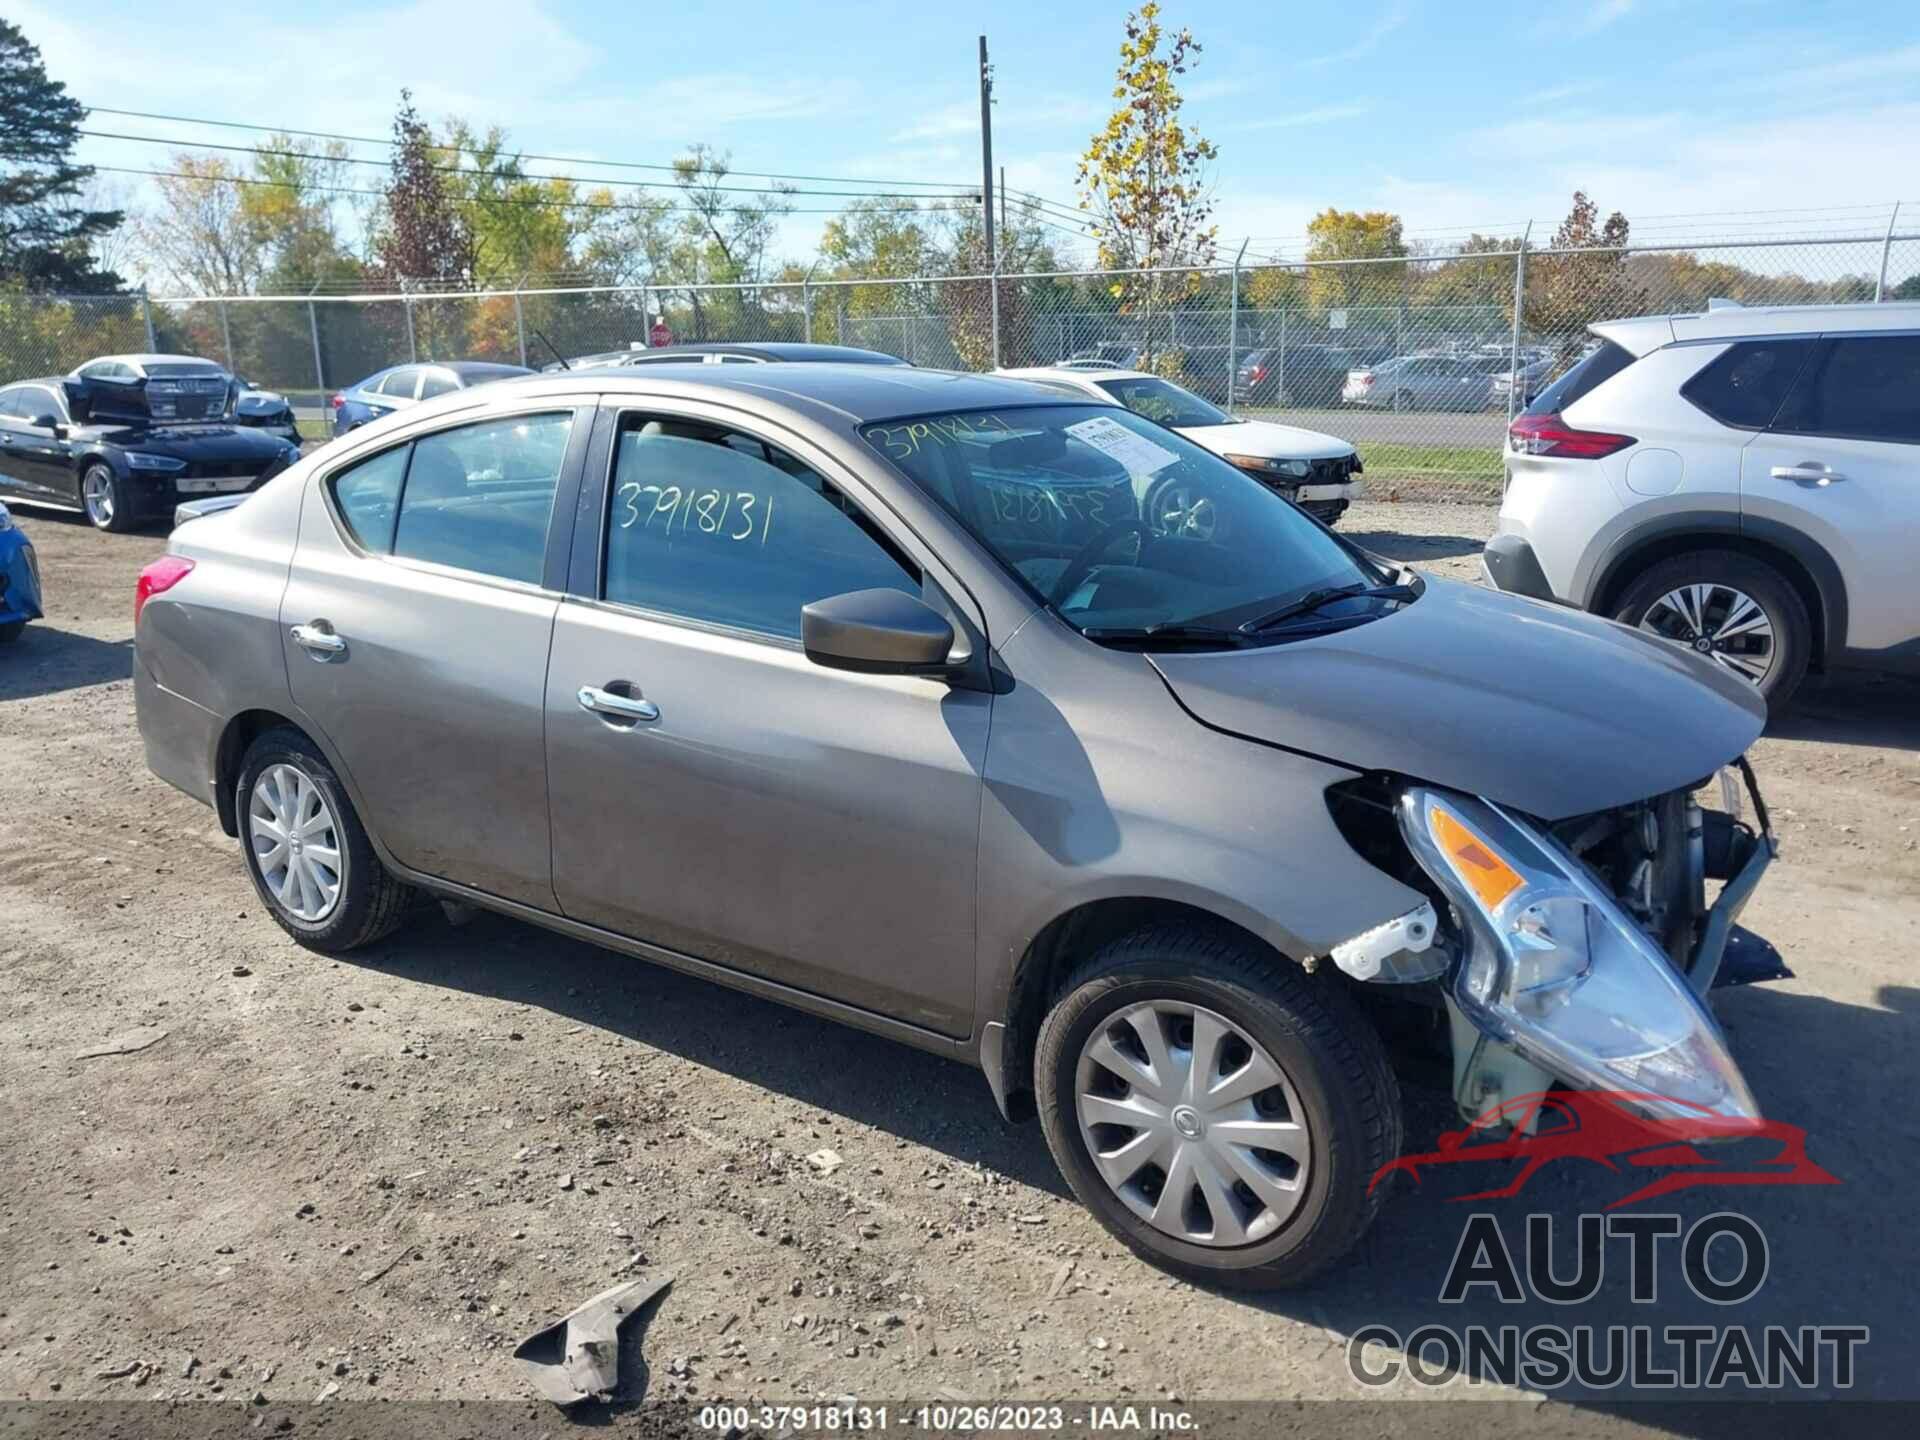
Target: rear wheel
[
  {"x": 1218, "y": 1109},
  {"x": 309, "y": 857},
  {"x": 1737, "y": 611},
  {"x": 105, "y": 497}
]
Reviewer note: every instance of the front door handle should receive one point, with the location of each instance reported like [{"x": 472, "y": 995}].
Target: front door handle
[
  {"x": 318, "y": 640},
  {"x": 620, "y": 707},
  {"x": 1807, "y": 472}
]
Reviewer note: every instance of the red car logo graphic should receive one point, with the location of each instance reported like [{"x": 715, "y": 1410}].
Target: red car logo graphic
[{"x": 1609, "y": 1128}]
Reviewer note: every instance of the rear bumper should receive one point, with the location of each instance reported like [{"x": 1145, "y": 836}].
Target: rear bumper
[
  {"x": 179, "y": 736},
  {"x": 1511, "y": 565}
]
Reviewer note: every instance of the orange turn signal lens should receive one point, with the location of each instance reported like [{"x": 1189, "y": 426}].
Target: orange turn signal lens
[{"x": 1485, "y": 873}]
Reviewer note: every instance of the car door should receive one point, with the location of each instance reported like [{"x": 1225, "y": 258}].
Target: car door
[
  {"x": 417, "y": 617},
  {"x": 37, "y": 455},
  {"x": 13, "y": 476},
  {"x": 1841, "y": 464},
  {"x": 716, "y": 793}
]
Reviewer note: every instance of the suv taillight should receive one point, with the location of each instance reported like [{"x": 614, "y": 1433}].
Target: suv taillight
[
  {"x": 1550, "y": 435},
  {"x": 338, "y": 400},
  {"x": 158, "y": 578}
]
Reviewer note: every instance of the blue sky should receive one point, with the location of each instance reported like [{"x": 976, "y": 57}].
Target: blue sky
[{"x": 1456, "y": 116}]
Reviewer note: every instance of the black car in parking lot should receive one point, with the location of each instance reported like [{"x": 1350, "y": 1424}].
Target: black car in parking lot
[
  {"x": 1301, "y": 375},
  {"x": 124, "y": 440}
]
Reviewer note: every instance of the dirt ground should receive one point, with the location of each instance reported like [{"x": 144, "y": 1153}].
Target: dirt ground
[{"x": 380, "y": 1174}]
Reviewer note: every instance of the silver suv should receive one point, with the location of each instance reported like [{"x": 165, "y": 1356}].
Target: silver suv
[
  {"x": 908, "y": 698},
  {"x": 1744, "y": 482}
]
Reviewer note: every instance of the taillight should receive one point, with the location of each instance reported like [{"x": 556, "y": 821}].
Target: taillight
[
  {"x": 338, "y": 400},
  {"x": 1259, "y": 373},
  {"x": 1550, "y": 435},
  {"x": 158, "y": 578}
]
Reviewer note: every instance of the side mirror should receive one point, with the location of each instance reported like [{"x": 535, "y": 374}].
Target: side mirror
[
  {"x": 51, "y": 422},
  {"x": 877, "y": 632}
]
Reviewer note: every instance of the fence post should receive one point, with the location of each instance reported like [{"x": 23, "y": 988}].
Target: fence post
[
  {"x": 520, "y": 324},
  {"x": 146, "y": 305},
  {"x": 319, "y": 370},
  {"x": 646, "y": 318},
  {"x": 1519, "y": 305},
  {"x": 1233, "y": 329},
  {"x": 226, "y": 334},
  {"x": 1886, "y": 249},
  {"x": 413, "y": 350},
  {"x": 993, "y": 304}
]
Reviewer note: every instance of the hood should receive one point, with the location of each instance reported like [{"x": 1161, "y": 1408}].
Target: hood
[
  {"x": 202, "y": 442},
  {"x": 1549, "y": 710},
  {"x": 1268, "y": 441},
  {"x": 259, "y": 402}
]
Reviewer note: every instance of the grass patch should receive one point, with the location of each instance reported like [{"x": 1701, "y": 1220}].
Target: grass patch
[{"x": 1415, "y": 469}]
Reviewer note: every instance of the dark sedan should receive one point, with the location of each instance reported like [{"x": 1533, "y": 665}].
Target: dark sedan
[
  {"x": 76, "y": 444},
  {"x": 728, "y": 352}
]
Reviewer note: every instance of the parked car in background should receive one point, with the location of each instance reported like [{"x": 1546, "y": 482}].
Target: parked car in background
[
  {"x": 399, "y": 386},
  {"x": 1424, "y": 382},
  {"x": 267, "y": 410},
  {"x": 1321, "y": 473},
  {"x": 1536, "y": 368},
  {"x": 1310, "y": 375},
  {"x": 726, "y": 352},
  {"x": 1742, "y": 482},
  {"x": 90, "y": 442},
  {"x": 19, "y": 579},
  {"x": 1171, "y": 829}
]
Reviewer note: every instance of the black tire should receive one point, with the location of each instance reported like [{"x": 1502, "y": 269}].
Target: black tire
[
  {"x": 1329, "y": 1052},
  {"x": 1786, "y": 612},
  {"x": 12, "y": 631},
  {"x": 120, "y": 520},
  {"x": 371, "y": 901}
]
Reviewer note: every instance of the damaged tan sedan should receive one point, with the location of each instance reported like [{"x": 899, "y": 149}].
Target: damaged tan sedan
[{"x": 927, "y": 702}]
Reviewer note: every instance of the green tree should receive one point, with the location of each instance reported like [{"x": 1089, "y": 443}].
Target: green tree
[
  {"x": 1143, "y": 176},
  {"x": 422, "y": 234},
  {"x": 1566, "y": 292},
  {"x": 727, "y": 238},
  {"x": 200, "y": 236},
  {"x": 46, "y": 228},
  {"x": 1373, "y": 235}
]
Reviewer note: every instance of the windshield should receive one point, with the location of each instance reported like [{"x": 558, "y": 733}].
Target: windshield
[
  {"x": 1114, "y": 522},
  {"x": 1163, "y": 403}
]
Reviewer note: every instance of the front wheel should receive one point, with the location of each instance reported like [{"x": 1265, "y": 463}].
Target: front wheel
[
  {"x": 306, "y": 851},
  {"x": 1732, "y": 609},
  {"x": 1219, "y": 1110},
  {"x": 104, "y": 495}
]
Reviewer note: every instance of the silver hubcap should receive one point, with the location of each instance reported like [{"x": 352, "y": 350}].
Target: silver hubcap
[
  {"x": 1719, "y": 622},
  {"x": 296, "y": 843},
  {"x": 96, "y": 489},
  {"x": 1192, "y": 1124}
]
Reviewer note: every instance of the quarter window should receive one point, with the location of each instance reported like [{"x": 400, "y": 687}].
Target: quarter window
[
  {"x": 480, "y": 497},
  {"x": 400, "y": 383},
  {"x": 436, "y": 382},
  {"x": 1746, "y": 386},
  {"x": 1865, "y": 388},
  {"x": 368, "y": 498},
  {"x": 718, "y": 526}
]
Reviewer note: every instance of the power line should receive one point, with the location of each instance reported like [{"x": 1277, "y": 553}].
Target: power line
[
  {"x": 524, "y": 155},
  {"x": 524, "y": 175},
  {"x": 539, "y": 202}
]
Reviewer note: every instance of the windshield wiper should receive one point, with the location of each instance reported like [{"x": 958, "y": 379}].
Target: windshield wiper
[
  {"x": 1319, "y": 599},
  {"x": 1168, "y": 633}
]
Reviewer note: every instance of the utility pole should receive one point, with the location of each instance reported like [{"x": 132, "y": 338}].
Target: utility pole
[{"x": 986, "y": 193}]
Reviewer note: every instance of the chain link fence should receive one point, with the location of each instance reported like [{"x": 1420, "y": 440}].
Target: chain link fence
[{"x": 1419, "y": 360}]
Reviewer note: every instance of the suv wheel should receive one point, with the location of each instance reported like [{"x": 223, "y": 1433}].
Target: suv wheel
[
  {"x": 310, "y": 858},
  {"x": 1218, "y": 1109},
  {"x": 1737, "y": 611}
]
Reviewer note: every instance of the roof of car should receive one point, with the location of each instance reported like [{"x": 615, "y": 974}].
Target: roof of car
[
  {"x": 767, "y": 350},
  {"x": 1645, "y": 333},
  {"x": 467, "y": 368},
  {"x": 1070, "y": 372},
  {"x": 145, "y": 361}
]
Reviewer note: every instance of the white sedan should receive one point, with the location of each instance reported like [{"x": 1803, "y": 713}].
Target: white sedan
[{"x": 1320, "y": 473}]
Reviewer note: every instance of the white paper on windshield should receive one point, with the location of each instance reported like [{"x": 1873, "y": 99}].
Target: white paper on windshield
[{"x": 1138, "y": 454}]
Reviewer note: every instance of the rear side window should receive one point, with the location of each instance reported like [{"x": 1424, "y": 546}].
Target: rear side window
[
  {"x": 1588, "y": 374},
  {"x": 400, "y": 383},
  {"x": 368, "y": 498},
  {"x": 717, "y": 526},
  {"x": 1864, "y": 388},
  {"x": 436, "y": 382},
  {"x": 1746, "y": 386},
  {"x": 479, "y": 498}
]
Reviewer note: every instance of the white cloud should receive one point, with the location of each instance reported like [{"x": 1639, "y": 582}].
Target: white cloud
[
  {"x": 1369, "y": 39},
  {"x": 1603, "y": 14},
  {"x": 1321, "y": 115}
]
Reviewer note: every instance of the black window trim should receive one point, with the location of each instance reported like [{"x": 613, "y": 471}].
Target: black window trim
[{"x": 565, "y": 491}]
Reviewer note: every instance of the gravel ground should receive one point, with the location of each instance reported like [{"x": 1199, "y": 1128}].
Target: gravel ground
[{"x": 382, "y": 1173}]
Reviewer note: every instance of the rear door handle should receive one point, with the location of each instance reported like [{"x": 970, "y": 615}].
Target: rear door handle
[
  {"x": 1807, "y": 472},
  {"x": 318, "y": 641},
  {"x": 620, "y": 707}
]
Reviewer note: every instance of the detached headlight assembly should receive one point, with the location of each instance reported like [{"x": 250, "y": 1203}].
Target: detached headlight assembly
[
  {"x": 1555, "y": 968},
  {"x": 140, "y": 460},
  {"x": 1263, "y": 465}
]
